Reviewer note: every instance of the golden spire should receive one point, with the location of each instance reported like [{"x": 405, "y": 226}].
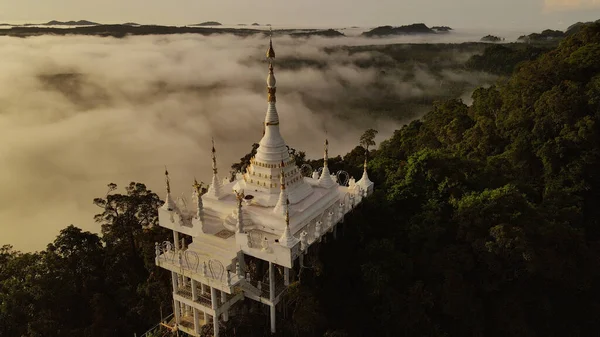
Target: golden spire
[
  {"x": 271, "y": 82},
  {"x": 282, "y": 177},
  {"x": 197, "y": 186},
  {"x": 271, "y": 51},
  {"x": 214, "y": 157},
  {"x": 287, "y": 214},
  {"x": 167, "y": 180},
  {"x": 326, "y": 157}
]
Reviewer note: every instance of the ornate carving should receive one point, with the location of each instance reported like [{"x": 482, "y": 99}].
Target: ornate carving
[
  {"x": 192, "y": 260},
  {"x": 216, "y": 269}
]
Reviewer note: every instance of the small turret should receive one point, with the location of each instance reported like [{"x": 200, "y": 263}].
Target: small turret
[
  {"x": 215, "y": 189},
  {"x": 169, "y": 203},
  {"x": 198, "y": 194},
  {"x": 325, "y": 179},
  {"x": 287, "y": 239},
  {"x": 282, "y": 203},
  {"x": 365, "y": 183},
  {"x": 239, "y": 226}
]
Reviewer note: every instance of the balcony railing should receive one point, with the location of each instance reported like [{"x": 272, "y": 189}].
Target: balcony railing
[
  {"x": 202, "y": 299},
  {"x": 194, "y": 263}
]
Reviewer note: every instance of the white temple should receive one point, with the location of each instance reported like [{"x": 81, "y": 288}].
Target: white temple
[{"x": 270, "y": 213}]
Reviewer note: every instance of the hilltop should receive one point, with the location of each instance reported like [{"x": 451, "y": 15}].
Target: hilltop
[
  {"x": 415, "y": 28},
  {"x": 208, "y": 23}
]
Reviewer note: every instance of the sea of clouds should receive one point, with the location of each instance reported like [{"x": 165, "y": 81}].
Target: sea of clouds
[{"x": 79, "y": 112}]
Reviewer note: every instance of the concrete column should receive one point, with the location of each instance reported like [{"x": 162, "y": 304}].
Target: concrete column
[
  {"x": 176, "y": 306},
  {"x": 216, "y": 326},
  {"x": 196, "y": 321},
  {"x": 202, "y": 289},
  {"x": 335, "y": 232},
  {"x": 241, "y": 261},
  {"x": 301, "y": 261},
  {"x": 176, "y": 240},
  {"x": 176, "y": 311},
  {"x": 214, "y": 301},
  {"x": 174, "y": 279},
  {"x": 194, "y": 290},
  {"x": 286, "y": 276},
  {"x": 226, "y": 312},
  {"x": 205, "y": 318},
  {"x": 272, "y": 294}
]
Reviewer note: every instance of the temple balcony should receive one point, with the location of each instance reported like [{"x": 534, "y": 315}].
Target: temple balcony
[{"x": 209, "y": 270}]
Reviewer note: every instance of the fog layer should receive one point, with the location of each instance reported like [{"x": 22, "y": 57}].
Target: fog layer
[{"x": 77, "y": 113}]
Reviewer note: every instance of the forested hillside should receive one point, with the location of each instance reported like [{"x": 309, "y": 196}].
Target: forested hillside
[
  {"x": 484, "y": 223},
  {"x": 486, "y": 220}
]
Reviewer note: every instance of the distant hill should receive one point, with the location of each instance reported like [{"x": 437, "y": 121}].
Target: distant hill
[
  {"x": 324, "y": 33},
  {"x": 545, "y": 35},
  {"x": 576, "y": 27},
  {"x": 65, "y": 23},
  {"x": 255, "y": 24},
  {"x": 122, "y": 30},
  {"x": 441, "y": 29},
  {"x": 416, "y": 28},
  {"x": 131, "y": 24},
  {"x": 491, "y": 38},
  {"x": 208, "y": 23}
]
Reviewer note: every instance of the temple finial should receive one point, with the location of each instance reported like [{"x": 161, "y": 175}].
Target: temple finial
[
  {"x": 287, "y": 214},
  {"x": 197, "y": 187},
  {"x": 167, "y": 180},
  {"x": 214, "y": 157},
  {"x": 326, "y": 154},
  {"x": 271, "y": 51}
]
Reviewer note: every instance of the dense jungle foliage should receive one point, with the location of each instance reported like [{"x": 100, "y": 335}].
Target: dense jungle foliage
[{"x": 484, "y": 222}]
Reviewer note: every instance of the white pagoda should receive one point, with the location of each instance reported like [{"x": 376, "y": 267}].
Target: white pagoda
[{"x": 270, "y": 213}]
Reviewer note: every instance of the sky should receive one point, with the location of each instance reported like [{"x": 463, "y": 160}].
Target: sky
[{"x": 504, "y": 14}]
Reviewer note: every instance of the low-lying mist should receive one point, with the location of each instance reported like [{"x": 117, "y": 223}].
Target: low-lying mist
[{"x": 77, "y": 113}]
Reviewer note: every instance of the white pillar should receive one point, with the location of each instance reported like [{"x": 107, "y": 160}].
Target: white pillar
[
  {"x": 196, "y": 321},
  {"x": 176, "y": 241},
  {"x": 286, "y": 276},
  {"x": 272, "y": 295},
  {"x": 174, "y": 279},
  {"x": 214, "y": 301},
  {"x": 216, "y": 326},
  {"x": 202, "y": 289},
  {"x": 176, "y": 307},
  {"x": 194, "y": 290},
  {"x": 205, "y": 317},
  {"x": 226, "y": 312},
  {"x": 177, "y": 311}
]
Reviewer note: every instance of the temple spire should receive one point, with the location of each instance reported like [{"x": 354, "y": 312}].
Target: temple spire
[
  {"x": 272, "y": 146},
  {"x": 169, "y": 203},
  {"x": 215, "y": 186},
  {"x": 287, "y": 239},
  {"x": 325, "y": 180}
]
